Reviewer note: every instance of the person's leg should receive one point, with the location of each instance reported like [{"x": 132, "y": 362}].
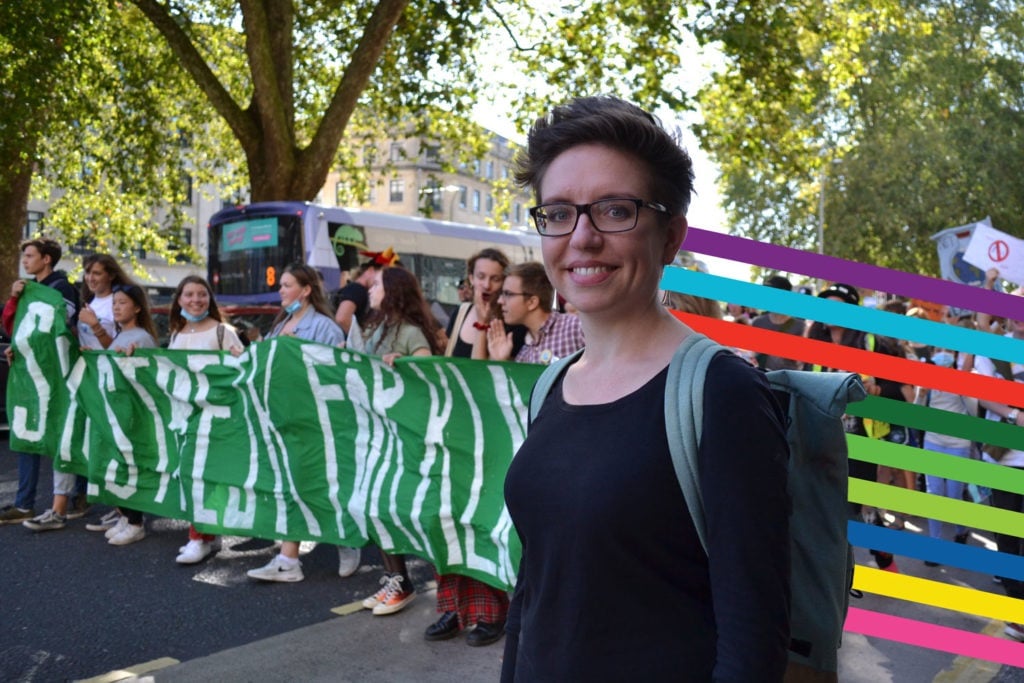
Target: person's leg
[
  {"x": 131, "y": 531},
  {"x": 285, "y": 566},
  {"x": 199, "y": 546},
  {"x": 396, "y": 589},
  {"x": 936, "y": 486},
  {"x": 56, "y": 517},
  {"x": 28, "y": 480}
]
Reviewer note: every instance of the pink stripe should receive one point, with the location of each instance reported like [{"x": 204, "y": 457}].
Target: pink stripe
[{"x": 942, "y": 638}]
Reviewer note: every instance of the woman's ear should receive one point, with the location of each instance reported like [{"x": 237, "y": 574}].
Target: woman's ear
[{"x": 674, "y": 237}]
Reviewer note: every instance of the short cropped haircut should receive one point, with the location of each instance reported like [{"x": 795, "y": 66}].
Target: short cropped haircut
[
  {"x": 535, "y": 282},
  {"x": 617, "y": 124},
  {"x": 46, "y": 246}
]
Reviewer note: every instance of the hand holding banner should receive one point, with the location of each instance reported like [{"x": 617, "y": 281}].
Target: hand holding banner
[{"x": 991, "y": 248}]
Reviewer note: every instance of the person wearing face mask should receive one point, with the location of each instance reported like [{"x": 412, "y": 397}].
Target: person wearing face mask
[
  {"x": 946, "y": 443},
  {"x": 306, "y": 315},
  {"x": 195, "y": 323}
]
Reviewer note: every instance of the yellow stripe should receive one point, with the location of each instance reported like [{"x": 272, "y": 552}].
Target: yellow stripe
[
  {"x": 971, "y": 670},
  {"x": 938, "y": 594},
  {"x": 132, "y": 671}
]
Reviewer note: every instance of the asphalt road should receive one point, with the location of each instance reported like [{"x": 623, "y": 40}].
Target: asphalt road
[{"x": 74, "y": 607}]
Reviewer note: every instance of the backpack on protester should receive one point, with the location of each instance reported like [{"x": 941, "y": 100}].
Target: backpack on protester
[{"x": 821, "y": 573}]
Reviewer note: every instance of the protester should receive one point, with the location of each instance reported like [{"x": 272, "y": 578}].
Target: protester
[
  {"x": 462, "y": 599},
  {"x": 96, "y": 331},
  {"x": 195, "y": 323},
  {"x": 353, "y": 299},
  {"x": 779, "y": 322},
  {"x": 614, "y": 583},
  {"x": 876, "y": 386},
  {"x": 1008, "y": 457},
  {"x": 486, "y": 270},
  {"x": 133, "y": 329},
  {"x": 306, "y": 315},
  {"x": 947, "y": 443},
  {"x": 400, "y": 325},
  {"x": 39, "y": 258}
]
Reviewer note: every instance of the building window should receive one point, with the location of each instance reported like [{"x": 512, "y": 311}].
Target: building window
[
  {"x": 490, "y": 202},
  {"x": 463, "y": 196},
  {"x": 519, "y": 213},
  {"x": 435, "y": 195},
  {"x": 397, "y": 190},
  {"x": 33, "y": 225},
  {"x": 396, "y": 151},
  {"x": 432, "y": 154},
  {"x": 476, "y": 167},
  {"x": 490, "y": 170},
  {"x": 476, "y": 201},
  {"x": 372, "y": 194}
]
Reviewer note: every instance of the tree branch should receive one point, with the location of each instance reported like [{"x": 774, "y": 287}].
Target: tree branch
[
  {"x": 316, "y": 159},
  {"x": 199, "y": 70}
]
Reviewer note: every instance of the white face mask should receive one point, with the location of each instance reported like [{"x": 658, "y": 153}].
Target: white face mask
[{"x": 944, "y": 359}]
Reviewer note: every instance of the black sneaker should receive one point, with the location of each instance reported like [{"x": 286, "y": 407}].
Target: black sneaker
[
  {"x": 79, "y": 507},
  {"x": 10, "y": 514}
]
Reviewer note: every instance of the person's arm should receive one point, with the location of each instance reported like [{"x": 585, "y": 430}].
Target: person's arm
[
  {"x": 983, "y": 321},
  {"x": 480, "y": 351},
  {"x": 343, "y": 316},
  {"x": 497, "y": 341},
  {"x": 743, "y": 464}
]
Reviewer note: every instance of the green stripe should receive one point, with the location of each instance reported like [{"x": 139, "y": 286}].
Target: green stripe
[
  {"x": 939, "y": 464},
  {"x": 936, "y": 507},
  {"x": 941, "y": 421}
]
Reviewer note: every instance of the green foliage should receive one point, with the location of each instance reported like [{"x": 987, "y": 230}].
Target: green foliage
[{"x": 910, "y": 113}]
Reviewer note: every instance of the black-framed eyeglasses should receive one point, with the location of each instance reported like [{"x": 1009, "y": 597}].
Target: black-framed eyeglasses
[
  {"x": 505, "y": 294},
  {"x": 617, "y": 214}
]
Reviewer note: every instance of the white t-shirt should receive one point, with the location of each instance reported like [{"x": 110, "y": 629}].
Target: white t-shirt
[
  {"x": 103, "y": 307},
  {"x": 985, "y": 366},
  {"x": 205, "y": 341}
]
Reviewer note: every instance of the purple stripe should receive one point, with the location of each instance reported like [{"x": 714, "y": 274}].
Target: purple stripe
[{"x": 834, "y": 269}]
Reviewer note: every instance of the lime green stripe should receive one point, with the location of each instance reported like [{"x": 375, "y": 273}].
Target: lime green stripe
[
  {"x": 941, "y": 421},
  {"x": 940, "y": 464},
  {"x": 936, "y": 507}
]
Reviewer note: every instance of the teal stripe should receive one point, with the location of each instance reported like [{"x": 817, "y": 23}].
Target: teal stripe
[
  {"x": 837, "y": 313},
  {"x": 934, "y": 420},
  {"x": 936, "y": 507},
  {"x": 939, "y": 464}
]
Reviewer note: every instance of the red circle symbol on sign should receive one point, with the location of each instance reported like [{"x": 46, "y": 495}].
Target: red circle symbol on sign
[{"x": 998, "y": 251}]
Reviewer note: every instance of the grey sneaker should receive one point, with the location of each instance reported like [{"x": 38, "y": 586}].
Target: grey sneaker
[
  {"x": 48, "y": 521},
  {"x": 79, "y": 507},
  {"x": 106, "y": 522},
  {"x": 10, "y": 514}
]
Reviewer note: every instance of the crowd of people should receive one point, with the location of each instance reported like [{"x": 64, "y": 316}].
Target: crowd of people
[
  {"x": 591, "y": 492},
  {"x": 381, "y": 311}
]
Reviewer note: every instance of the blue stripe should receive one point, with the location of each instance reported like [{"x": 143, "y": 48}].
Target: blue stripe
[
  {"x": 842, "y": 314},
  {"x": 927, "y": 548}
]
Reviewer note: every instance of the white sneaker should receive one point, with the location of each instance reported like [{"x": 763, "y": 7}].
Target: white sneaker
[
  {"x": 277, "y": 570},
  {"x": 122, "y": 521},
  {"x": 348, "y": 561},
  {"x": 214, "y": 545},
  {"x": 194, "y": 551},
  {"x": 129, "y": 533}
]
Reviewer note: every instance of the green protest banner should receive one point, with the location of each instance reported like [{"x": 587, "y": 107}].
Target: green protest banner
[{"x": 291, "y": 440}]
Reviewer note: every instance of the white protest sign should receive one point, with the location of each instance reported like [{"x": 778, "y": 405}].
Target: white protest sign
[{"x": 991, "y": 248}]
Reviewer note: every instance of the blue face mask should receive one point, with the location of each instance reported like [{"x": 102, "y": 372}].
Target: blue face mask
[
  {"x": 944, "y": 359},
  {"x": 293, "y": 306},
  {"x": 195, "y": 318}
]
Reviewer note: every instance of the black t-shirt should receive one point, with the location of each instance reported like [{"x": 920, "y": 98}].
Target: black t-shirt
[
  {"x": 58, "y": 279},
  {"x": 358, "y": 295},
  {"x": 614, "y": 584},
  {"x": 464, "y": 350}
]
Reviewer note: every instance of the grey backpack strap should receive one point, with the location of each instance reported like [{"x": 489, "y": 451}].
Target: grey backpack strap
[
  {"x": 684, "y": 415},
  {"x": 547, "y": 380}
]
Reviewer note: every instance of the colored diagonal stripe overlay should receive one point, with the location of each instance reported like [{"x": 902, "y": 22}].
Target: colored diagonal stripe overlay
[{"x": 974, "y": 472}]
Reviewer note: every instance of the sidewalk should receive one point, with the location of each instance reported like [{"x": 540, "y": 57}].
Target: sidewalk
[{"x": 353, "y": 647}]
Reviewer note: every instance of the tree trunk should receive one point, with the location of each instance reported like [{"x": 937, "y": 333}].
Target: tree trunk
[{"x": 15, "y": 183}]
